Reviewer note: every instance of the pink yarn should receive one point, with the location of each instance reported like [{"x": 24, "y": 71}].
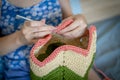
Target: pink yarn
[{"x": 78, "y": 50}]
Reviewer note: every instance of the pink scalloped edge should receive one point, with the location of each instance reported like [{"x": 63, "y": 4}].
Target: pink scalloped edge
[{"x": 78, "y": 50}]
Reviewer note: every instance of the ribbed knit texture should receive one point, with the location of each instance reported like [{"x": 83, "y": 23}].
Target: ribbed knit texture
[
  {"x": 60, "y": 73},
  {"x": 67, "y": 61}
]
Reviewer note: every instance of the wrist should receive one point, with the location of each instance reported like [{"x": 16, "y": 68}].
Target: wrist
[{"x": 19, "y": 38}]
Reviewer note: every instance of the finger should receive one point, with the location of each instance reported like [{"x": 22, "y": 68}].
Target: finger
[
  {"x": 41, "y": 34},
  {"x": 70, "y": 27},
  {"x": 75, "y": 33},
  {"x": 33, "y": 23},
  {"x": 73, "y": 26},
  {"x": 42, "y": 29}
]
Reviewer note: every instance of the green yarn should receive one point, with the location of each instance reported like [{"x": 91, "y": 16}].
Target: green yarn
[
  {"x": 62, "y": 73},
  {"x": 56, "y": 74}
]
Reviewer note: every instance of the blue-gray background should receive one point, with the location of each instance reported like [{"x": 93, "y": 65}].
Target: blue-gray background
[{"x": 108, "y": 43}]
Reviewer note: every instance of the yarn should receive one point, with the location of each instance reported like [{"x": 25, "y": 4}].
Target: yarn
[{"x": 59, "y": 58}]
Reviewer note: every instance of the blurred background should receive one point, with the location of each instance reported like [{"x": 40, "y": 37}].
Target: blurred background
[
  {"x": 105, "y": 15},
  {"x": 97, "y": 10}
]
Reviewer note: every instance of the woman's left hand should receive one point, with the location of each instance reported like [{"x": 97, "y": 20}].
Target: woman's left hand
[{"x": 76, "y": 28}]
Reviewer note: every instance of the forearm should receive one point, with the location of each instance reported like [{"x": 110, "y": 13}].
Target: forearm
[
  {"x": 66, "y": 8},
  {"x": 29, "y": 34},
  {"x": 9, "y": 43}
]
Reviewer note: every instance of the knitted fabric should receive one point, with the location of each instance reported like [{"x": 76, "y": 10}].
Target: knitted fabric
[{"x": 68, "y": 61}]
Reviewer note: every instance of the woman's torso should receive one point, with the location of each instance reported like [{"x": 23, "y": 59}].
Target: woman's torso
[{"x": 44, "y": 9}]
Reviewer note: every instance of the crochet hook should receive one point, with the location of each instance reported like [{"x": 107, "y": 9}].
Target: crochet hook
[{"x": 19, "y": 16}]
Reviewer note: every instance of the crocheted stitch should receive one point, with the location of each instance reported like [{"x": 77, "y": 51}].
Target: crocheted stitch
[{"x": 66, "y": 62}]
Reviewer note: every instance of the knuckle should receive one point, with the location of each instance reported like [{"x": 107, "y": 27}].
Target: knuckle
[
  {"x": 27, "y": 23},
  {"x": 36, "y": 35},
  {"x": 36, "y": 23}
]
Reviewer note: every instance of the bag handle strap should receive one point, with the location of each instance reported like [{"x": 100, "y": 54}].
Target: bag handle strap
[{"x": 102, "y": 73}]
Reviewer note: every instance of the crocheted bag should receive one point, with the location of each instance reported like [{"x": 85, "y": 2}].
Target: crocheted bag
[{"x": 58, "y": 58}]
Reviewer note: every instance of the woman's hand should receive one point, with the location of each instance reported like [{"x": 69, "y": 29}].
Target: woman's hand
[
  {"x": 33, "y": 30},
  {"x": 75, "y": 29}
]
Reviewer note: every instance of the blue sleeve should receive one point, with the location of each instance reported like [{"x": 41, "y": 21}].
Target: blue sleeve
[
  {"x": 76, "y": 6},
  {"x": 1, "y": 68},
  {"x": 0, "y": 32},
  {"x": 0, "y": 22}
]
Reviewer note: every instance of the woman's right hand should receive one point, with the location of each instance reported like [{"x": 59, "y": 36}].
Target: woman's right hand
[{"x": 33, "y": 30}]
